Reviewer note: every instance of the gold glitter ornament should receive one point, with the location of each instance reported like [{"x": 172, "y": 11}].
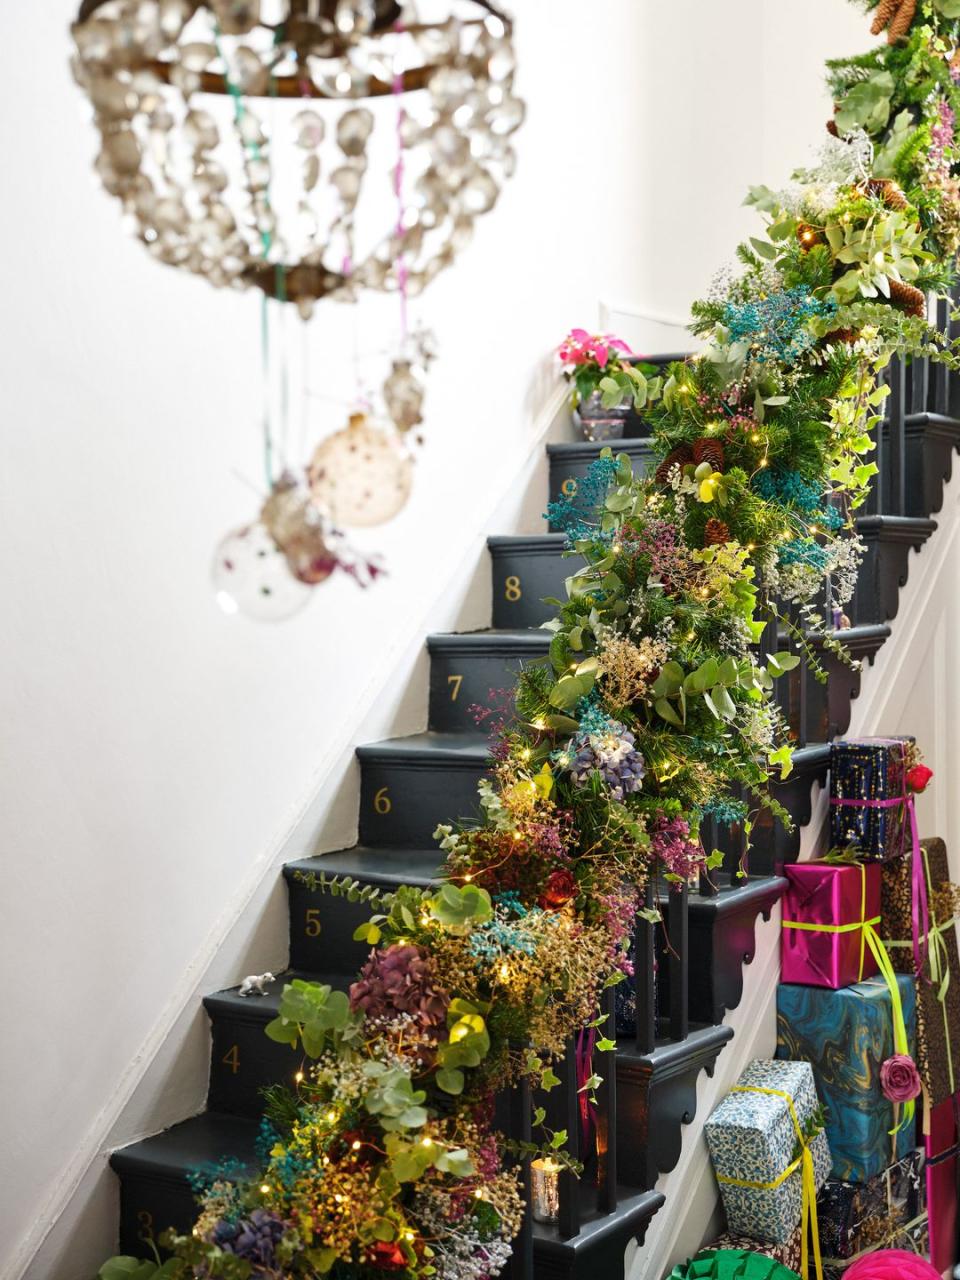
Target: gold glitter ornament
[
  {"x": 297, "y": 527},
  {"x": 361, "y": 475}
]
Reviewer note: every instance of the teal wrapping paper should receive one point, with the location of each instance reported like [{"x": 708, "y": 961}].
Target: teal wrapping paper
[
  {"x": 751, "y": 1138},
  {"x": 846, "y": 1035}
]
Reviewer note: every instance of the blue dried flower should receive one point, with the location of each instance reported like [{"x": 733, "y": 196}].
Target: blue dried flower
[
  {"x": 611, "y": 753},
  {"x": 777, "y": 327},
  {"x": 574, "y": 514}
]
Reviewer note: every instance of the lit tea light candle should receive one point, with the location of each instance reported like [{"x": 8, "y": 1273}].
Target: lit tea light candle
[{"x": 545, "y": 1189}]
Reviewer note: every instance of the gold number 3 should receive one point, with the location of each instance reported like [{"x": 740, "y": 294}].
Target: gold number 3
[
  {"x": 381, "y": 801},
  {"x": 512, "y": 588}
]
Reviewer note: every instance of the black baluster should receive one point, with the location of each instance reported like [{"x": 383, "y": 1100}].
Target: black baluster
[
  {"x": 874, "y": 504},
  {"x": 569, "y": 1184},
  {"x": 919, "y": 385},
  {"x": 678, "y": 936},
  {"x": 940, "y": 375},
  {"x": 898, "y": 440},
  {"x": 710, "y": 839},
  {"x": 520, "y": 1266},
  {"x": 607, "y": 1111},
  {"x": 645, "y": 975}
]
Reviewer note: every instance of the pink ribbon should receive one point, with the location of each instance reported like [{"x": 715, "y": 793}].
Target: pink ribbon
[
  {"x": 402, "y": 272},
  {"x": 586, "y": 1041},
  {"x": 919, "y": 906}
]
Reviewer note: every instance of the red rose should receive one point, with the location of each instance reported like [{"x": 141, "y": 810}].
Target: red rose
[
  {"x": 558, "y": 890},
  {"x": 918, "y": 776},
  {"x": 387, "y": 1256}
]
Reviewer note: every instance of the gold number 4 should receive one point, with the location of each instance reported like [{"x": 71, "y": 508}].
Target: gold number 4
[
  {"x": 231, "y": 1059},
  {"x": 569, "y": 487},
  {"x": 512, "y": 588},
  {"x": 456, "y": 681},
  {"x": 382, "y": 802},
  {"x": 312, "y": 926}
]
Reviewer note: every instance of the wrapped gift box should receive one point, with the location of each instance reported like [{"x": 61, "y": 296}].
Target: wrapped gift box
[
  {"x": 938, "y": 1006},
  {"x": 856, "y": 1216},
  {"x": 913, "y": 1237},
  {"x": 846, "y": 1035},
  {"x": 872, "y": 770},
  {"x": 752, "y": 1139},
  {"x": 840, "y": 898},
  {"x": 943, "y": 1151},
  {"x": 789, "y": 1253}
]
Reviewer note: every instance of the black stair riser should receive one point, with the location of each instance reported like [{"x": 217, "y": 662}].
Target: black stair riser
[
  {"x": 465, "y": 677},
  {"x": 243, "y": 1060},
  {"x": 524, "y": 571},
  {"x": 321, "y": 932},
  {"x": 150, "y": 1205},
  {"x": 419, "y": 797},
  {"x": 570, "y": 463}
]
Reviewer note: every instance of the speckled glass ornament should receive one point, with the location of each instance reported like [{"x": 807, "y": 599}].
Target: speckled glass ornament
[
  {"x": 361, "y": 475},
  {"x": 403, "y": 394},
  {"x": 175, "y": 87},
  {"x": 251, "y": 576},
  {"x": 297, "y": 527}
]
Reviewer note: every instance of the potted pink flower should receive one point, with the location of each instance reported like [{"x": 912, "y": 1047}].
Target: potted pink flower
[{"x": 606, "y": 382}]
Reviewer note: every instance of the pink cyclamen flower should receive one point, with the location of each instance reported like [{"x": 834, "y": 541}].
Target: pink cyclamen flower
[
  {"x": 892, "y": 1264},
  {"x": 899, "y": 1078}
]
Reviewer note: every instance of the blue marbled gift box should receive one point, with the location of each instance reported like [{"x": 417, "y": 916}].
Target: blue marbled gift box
[
  {"x": 752, "y": 1138},
  {"x": 846, "y": 1036}
]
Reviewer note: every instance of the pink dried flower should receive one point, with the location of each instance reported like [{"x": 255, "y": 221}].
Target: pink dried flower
[
  {"x": 670, "y": 843},
  {"x": 400, "y": 979}
]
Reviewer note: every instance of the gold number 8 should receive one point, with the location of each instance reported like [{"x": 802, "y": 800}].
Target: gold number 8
[{"x": 512, "y": 588}]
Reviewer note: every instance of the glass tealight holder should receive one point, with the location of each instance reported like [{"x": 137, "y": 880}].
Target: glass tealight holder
[{"x": 545, "y": 1189}]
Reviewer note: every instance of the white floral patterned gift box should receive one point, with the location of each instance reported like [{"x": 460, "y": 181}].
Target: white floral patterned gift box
[{"x": 769, "y": 1151}]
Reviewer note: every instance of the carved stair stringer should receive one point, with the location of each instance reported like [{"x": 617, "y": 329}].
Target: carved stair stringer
[{"x": 674, "y": 1236}]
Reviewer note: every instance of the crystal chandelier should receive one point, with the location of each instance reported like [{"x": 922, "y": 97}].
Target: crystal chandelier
[{"x": 259, "y": 142}]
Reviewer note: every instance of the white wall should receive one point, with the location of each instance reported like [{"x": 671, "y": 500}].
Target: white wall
[{"x": 159, "y": 756}]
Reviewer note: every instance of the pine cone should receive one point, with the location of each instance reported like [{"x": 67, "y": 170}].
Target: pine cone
[
  {"x": 842, "y": 335},
  {"x": 902, "y": 22},
  {"x": 885, "y": 11},
  {"x": 832, "y": 127},
  {"x": 707, "y": 449},
  {"x": 908, "y": 298},
  {"x": 716, "y": 532},
  {"x": 678, "y": 457},
  {"x": 808, "y": 236},
  {"x": 890, "y": 192}
]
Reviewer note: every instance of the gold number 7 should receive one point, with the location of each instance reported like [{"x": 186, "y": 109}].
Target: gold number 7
[{"x": 456, "y": 681}]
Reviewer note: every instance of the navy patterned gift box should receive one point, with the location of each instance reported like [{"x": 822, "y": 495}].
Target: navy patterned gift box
[
  {"x": 866, "y": 785},
  {"x": 756, "y": 1151}
]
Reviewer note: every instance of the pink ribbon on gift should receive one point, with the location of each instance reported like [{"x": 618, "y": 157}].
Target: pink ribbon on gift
[
  {"x": 920, "y": 907},
  {"x": 586, "y": 1042}
]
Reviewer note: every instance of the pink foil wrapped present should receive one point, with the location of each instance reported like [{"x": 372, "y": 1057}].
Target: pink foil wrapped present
[
  {"x": 828, "y": 911},
  {"x": 942, "y": 1154}
]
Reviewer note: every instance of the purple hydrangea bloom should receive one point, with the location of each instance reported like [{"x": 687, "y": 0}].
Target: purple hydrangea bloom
[
  {"x": 612, "y": 753},
  {"x": 254, "y": 1238}
]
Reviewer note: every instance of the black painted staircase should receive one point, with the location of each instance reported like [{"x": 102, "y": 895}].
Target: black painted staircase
[{"x": 410, "y": 784}]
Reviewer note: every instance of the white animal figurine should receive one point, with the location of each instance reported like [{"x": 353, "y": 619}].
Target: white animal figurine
[{"x": 254, "y": 984}]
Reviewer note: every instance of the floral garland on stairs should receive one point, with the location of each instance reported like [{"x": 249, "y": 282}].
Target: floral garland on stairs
[{"x": 653, "y": 714}]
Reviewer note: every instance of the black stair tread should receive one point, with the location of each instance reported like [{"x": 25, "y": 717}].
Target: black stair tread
[
  {"x": 493, "y": 640},
  {"x": 230, "y": 1003},
  {"x": 631, "y": 1204},
  {"x": 897, "y": 528},
  {"x": 379, "y": 866},
  {"x": 201, "y": 1142},
  {"x": 545, "y": 543},
  {"x": 577, "y": 449},
  {"x": 943, "y": 421},
  {"x": 761, "y": 891},
  {"x": 430, "y": 747},
  {"x": 672, "y": 1056}
]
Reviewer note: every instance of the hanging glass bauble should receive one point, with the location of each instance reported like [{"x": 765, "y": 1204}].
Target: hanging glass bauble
[
  {"x": 177, "y": 88},
  {"x": 297, "y": 527},
  {"x": 403, "y": 394},
  {"x": 251, "y": 576},
  {"x": 362, "y": 475}
]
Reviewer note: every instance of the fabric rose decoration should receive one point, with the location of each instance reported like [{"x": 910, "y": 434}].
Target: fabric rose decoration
[
  {"x": 918, "y": 776},
  {"x": 558, "y": 890},
  {"x": 900, "y": 1079},
  {"x": 387, "y": 1255},
  {"x": 892, "y": 1264}
]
